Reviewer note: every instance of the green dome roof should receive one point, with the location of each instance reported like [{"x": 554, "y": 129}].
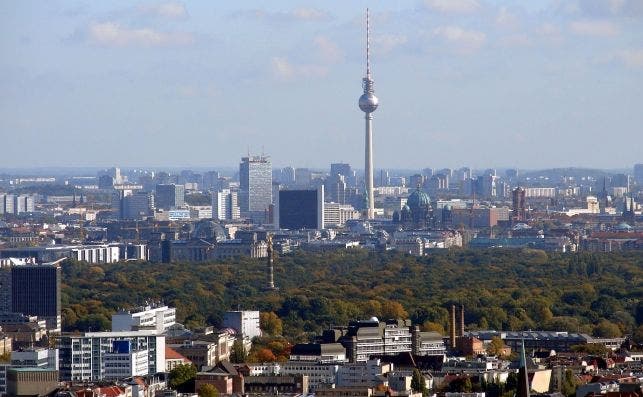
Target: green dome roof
[{"x": 418, "y": 199}]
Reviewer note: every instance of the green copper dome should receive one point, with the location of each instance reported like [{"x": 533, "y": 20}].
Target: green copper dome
[{"x": 418, "y": 199}]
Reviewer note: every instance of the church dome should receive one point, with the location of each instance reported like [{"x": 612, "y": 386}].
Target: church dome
[{"x": 418, "y": 199}]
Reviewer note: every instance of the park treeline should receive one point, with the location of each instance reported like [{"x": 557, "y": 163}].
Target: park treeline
[{"x": 594, "y": 293}]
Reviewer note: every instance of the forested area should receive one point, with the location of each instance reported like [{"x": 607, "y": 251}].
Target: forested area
[{"x": 596, "y": 293}]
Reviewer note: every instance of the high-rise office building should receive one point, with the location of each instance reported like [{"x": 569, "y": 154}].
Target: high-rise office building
[
  {"x": 638, "y": 173},
  {"x": 518, "y": 201},
  {"x": 35, "y": 291},
  {"x": 288, "y": 176},
  {"x": 301, "y": 209},
  {"x": 302, "y": 177},
  {"x": 137, "y": 205},
  {"x": 345, "y": 170},
  {"x": 341, "y": 169},
  {"x": 7, "y": 203},
  {"x": 225, "y": 205},
  {"x": 335, "y": 187},
  {"x": 211, "y": 180},
  {"x": 255, "y": 187},
  {"x": 5, "y": 289},
  {"x": 169, "y": 196},
  {"x": 23, "y": 203}
]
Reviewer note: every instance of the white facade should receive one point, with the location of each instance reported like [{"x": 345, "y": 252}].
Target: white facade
[
  {"x": 40, "y": 358},
  {"x": 540, "y": 192},
  {"x": 103, "y": 253},
  {"x": 126, "y": 365},
  {"x": 83, "y": 357},
  {"x": 201, "y": 212},
  {"x": 369, "y": 374},
  {"x": 225, "y": 205},
  {"x": 336, "y": 215},
  {"x": 244, "y": 322},
  {"x": 159, "y": 318},
  {"x": 318, "y": 374}
]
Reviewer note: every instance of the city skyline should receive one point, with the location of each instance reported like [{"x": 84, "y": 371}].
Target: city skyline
[{"x": 486, "y": 84}]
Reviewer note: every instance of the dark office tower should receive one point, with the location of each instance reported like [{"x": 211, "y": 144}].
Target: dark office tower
[
  {"x": 301, "y": 209},
  {"x": 35, "y": 291},
  {"x": 416, "y": 180},
  {"x": 211, "y": 181},
  {"x": 335, "y": 187},
  {"x": 105, "y": 182},
  {"x": 137, "y": 205},
  {"x": 638, "y": 173},
  {"x": 519, "y": 204},
  {"x": 5, "y": 289},
  {"x": 384, "y": 178},
  {"x": 169, "y": 196},
  {"x": 341, "y": 169},
  {"x": 511, "y": 174},
  {"x": 255, "y": 187}
]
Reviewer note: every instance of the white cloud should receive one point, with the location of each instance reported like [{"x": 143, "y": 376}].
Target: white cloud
[
  {"x": 309, "y": 14},
  {"x": 507, "y": 19},
  {"x": 328, "y": 51},
  {"x": 453, "y": 6},
  {"x": 515, "y": 40},
  {"x": 285, "y": 70},
  {"x": 464, "y": 40},
  {"x": 593, "y": 27},
  {"x": 298, "y": 14},
  {"x": 167, "y": 10},
  {"x": 383, "y": 44},
  {"x": 631, "y": 58},
  {"x": 113, "y": 34}
]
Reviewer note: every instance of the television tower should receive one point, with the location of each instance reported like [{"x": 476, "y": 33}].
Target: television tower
[{"x": 368, "y": 104}]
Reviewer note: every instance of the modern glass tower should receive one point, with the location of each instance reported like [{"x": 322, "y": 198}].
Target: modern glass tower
[{"x": 255, "y": 186}]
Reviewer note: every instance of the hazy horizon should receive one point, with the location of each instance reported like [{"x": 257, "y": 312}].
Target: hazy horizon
[{"x": 542, "y": 85}]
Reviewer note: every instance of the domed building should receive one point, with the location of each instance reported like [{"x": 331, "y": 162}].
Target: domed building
[
  {"x": 208, "y": 230},
  {"x": 417, "y": 212}
]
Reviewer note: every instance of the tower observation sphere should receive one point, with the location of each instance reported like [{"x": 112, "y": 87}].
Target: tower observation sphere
[{"x": 368, "y": 102}]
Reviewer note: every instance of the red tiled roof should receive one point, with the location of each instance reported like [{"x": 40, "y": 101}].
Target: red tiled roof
[
  {"x": 111, "y": 391},
  {"x": 171, "y": 354}
]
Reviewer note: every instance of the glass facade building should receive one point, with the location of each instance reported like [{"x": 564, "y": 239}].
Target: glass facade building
[{"x": 255, "y": 186}]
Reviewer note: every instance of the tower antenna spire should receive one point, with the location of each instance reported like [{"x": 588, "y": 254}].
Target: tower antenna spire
[{"x": 368, "y": 46}]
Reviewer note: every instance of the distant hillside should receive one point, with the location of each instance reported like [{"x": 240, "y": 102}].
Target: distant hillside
[{"x": 501, "y": 289}]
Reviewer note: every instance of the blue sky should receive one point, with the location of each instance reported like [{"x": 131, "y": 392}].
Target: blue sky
[{"x": 461, "y": 82}]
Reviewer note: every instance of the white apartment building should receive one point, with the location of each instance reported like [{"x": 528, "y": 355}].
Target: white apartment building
[
  {"x": 318, "y": 374},
  {"x": 540, "y": 192},
  {"x": 336, "y": 215},
  {"x": 152, "y": 316},
  {"x": 103, "y": 253},
  {"x": 370, "y": 374},
  {"x": 85, "y": 357},
  {"x": 245, "y": 323}
]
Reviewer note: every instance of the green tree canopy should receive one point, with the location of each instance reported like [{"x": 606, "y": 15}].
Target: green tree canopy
[
  {"x": 208, "y": 390},
  {"x": 182, "y": 376}
]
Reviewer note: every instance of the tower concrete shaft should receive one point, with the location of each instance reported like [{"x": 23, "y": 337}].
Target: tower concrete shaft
[{"x": 368, "y": 167}]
